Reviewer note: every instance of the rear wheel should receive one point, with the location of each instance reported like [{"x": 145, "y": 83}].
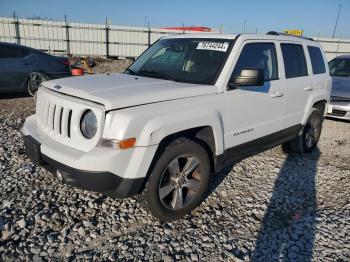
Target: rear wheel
[
  {"x": 34, "y": 81},
  {"x": 178, "y": 181},
  {"x": 307, "y": 140}
]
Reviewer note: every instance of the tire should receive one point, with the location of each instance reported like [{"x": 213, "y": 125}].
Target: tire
[
  {"x": 34, "y": 81},
  {"x": 307, "y": 140},
  {"x": 162, "y": 195}
]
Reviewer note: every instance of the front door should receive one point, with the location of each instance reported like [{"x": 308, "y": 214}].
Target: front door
[{"x": 255, "y": 111}]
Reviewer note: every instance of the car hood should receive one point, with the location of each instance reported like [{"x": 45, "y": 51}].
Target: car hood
[
  {"x": 121, "y": 90},
  {"x": 340, "y": 86}
]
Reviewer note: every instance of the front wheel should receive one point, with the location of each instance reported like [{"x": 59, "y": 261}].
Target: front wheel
[
  {"x": 179, "y": 180},
  {"x": 307, "y": 140}
]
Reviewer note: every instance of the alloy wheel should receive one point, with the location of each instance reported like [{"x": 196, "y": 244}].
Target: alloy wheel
[
  {"x": 312, "y": 132},
  {"x": 180, "y": 182}
]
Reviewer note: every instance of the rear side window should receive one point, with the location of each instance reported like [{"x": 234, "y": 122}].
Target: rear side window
[
  {"x": 294, "y": 60},
  {"x": 318, "y": 66},
  {"x": 258, "y": 55},
  {"x": 8, "y": 51}
]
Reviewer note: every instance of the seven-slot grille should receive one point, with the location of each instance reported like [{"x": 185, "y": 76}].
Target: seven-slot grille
[
  {"x": 59, "y": 115},
  {"x": 53, "y": 117}
]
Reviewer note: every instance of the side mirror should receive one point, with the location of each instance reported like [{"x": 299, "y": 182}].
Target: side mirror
[{"x": 248, "y": 77}]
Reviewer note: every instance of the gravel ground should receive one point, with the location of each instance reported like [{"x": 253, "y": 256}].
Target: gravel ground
[{"x": 268, "y": 207}]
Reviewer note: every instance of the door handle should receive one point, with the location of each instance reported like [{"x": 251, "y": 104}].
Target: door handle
[
  {"x": 308, "y": 88},
  {"x": 276, "y": 94}
]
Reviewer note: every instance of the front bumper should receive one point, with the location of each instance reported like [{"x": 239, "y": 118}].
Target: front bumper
[
  {"x": 103, "y": 182},
  {"x": 340, "y": 110}
]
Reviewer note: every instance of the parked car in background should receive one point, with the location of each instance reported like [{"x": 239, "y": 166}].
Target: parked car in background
[
  {"x": 339, "y": 69},
  {"x": 22, "y": 69}
]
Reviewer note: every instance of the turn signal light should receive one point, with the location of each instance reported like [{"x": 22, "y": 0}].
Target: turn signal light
[
  {"x": 118, "y": 144},
  {"x": 127, "y": 143}
]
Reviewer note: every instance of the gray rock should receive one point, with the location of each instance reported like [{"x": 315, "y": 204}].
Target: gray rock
[
  {"x": 35, "y": 250},
  {"x": 37, "y": 258},
  {"x": 81, "y": 231},
  {"x": 194, "y": 257},
  {"x": 21, "y": 223}
]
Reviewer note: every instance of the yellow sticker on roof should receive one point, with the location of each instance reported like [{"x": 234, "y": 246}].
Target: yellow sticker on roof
[{"x": 294, "y": 32}]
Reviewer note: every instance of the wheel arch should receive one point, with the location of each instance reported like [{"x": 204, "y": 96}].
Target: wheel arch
[
  {"x": 203, "y": 135},
  {"x": 319, "y": 103}
]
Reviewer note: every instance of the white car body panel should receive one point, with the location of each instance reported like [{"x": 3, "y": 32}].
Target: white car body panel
[
  {"x": 126, "y": 163},
  {"x": 151, "y": 123},
  {"x": 121, "y": 90},
  {"x": 243, "y": 116}
]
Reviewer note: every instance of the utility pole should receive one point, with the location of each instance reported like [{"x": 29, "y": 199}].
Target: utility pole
[
  {"x": 16, "y": 23},
  {"x": 149, "y": 33},
  {"x": 244, "y": 22},
  {"x": 336, "y": 22},
  {"x": 107, "y": 38},
  {"x": 66, "y": 25}
]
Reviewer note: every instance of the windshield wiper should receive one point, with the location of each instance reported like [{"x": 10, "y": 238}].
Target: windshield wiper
[
  {"x": 156, "y": 74},
  {"x": 130, "y": 71}
]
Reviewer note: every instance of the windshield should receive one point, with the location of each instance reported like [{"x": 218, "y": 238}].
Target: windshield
[
  {"x": 339, "y": 67},
  {"x": 188, "y": 60}
]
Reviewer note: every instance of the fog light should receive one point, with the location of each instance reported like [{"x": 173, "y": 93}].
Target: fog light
[{"x": 59, "y": 175}]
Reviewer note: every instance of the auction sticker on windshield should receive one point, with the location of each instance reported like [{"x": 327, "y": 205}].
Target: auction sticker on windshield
[{"x": 215, "y": 46}]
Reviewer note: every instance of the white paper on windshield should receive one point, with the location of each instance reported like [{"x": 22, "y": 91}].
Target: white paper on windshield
[{"x": 215, "y": 46}]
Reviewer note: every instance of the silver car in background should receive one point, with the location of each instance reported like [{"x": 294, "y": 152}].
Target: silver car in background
[{"x": 339, "y": 69}]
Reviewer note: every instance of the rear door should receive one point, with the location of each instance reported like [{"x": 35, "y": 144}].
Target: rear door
[
  {"x": 298, "y": 82},
  {"x": 255, "y": 111},
  {"x": 320, "y": 75}
]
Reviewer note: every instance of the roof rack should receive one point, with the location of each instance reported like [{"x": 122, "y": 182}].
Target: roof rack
[{"x": 279, "y": 33}]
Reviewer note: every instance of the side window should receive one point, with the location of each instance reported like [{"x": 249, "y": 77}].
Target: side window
[
  {"x": 294, "y": 60},
  {"x": 8, "y": 51},
  {"x": 258, "y": 55},
  {"x": 318, "y": 66}
]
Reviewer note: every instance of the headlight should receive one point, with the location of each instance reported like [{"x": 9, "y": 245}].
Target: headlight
[{"x": 88, "y": 124}]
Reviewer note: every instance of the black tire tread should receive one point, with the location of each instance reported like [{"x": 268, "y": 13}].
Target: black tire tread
[{"x": 297, "y": 144}]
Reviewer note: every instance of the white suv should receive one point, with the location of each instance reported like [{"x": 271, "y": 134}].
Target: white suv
[{"x": 187, "y": 107}]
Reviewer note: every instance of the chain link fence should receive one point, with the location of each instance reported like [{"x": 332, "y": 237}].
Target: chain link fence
[{"x": 81, "y": 39}]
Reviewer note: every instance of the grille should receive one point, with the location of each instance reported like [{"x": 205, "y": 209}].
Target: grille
[
  {"x": 339, "y": 113},
  {"x": 58, "y": 116},
  {"x": 53, "y": 117}
]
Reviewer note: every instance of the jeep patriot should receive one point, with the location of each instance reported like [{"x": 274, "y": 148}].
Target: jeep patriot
[{"x": 187, "y": 107}]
